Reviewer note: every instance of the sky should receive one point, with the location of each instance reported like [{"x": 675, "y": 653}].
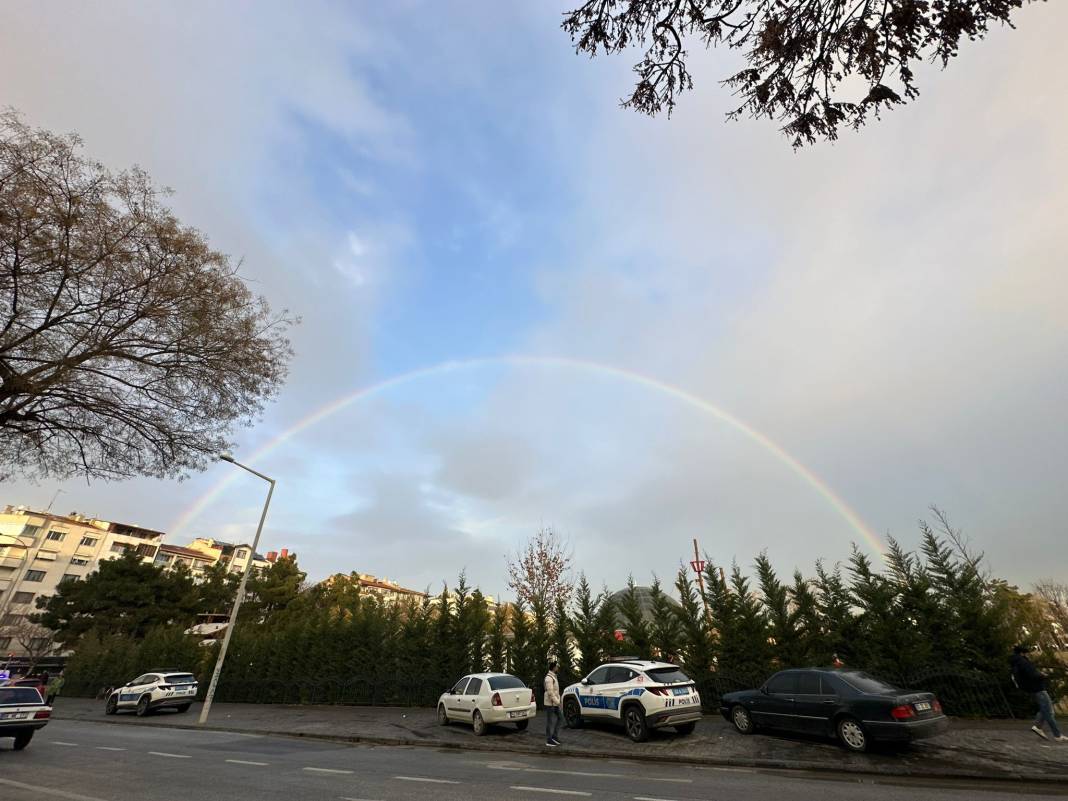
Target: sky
[{"x": 523, "y": 306}]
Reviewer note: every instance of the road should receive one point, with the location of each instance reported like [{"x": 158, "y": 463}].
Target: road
[{"x": 80, "y": 761}]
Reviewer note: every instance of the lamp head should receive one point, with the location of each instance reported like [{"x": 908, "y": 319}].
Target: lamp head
[{"x": 227, "y": 457}]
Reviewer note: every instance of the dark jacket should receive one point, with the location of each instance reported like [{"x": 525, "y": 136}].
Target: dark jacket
[{"x": 1027, "y": 676}]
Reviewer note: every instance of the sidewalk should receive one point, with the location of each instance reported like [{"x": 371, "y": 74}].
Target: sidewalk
[{"x": 971, "y": 749}]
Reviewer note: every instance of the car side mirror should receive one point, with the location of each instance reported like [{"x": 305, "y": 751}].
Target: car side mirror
[
  {"x": 764, "y": 689},
  {"x": 586, "y": 682}
]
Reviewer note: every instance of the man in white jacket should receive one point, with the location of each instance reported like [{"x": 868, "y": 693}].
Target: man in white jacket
[{"x": 552, "y": 706}]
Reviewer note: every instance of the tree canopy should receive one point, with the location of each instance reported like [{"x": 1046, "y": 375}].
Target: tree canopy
[
  {"x": 802, "y": 58},
  {"x": 127, "y": 345}
]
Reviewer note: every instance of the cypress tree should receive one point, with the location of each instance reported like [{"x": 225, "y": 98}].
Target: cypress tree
[
  {"x": 632, "y": 620},
  {"x": 666, "y": 633}
]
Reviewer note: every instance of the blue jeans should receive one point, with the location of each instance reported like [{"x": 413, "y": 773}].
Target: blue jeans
[
  {"x": 1045, "y": 713},
  {"x": 552, "y": 722}
]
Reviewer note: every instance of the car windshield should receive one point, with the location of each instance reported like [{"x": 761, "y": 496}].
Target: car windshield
[
  {"x": 180, "y": 678},
  {"x": 667, "y": 675},
  {"x": 506, "y": 683},
  {"x": 866, "y": 683},
  {"x": 14, "y": 696}
]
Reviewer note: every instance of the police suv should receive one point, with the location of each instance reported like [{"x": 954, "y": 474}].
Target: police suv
[
  {"x": 158, "y": 689},
  {"x": 640, "y": 694}
]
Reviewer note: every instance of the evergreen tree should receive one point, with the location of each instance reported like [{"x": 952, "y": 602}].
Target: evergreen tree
[
  {"x": 745, "y": 650},
  {"x": 561, "y": 649},
  {"x": 497, "y": 645},
  {"x": 807, "y": 622},
  {"x": 521, "y": 661},
  {"x": 666, "y": 631},
  {"x": 839, "y": 628},
  {"x": 787, "y": 651},
  {"x": 638, "y": 638},
  {"x": 698, "y": 649},
  {"x": 592, "y": 624}
]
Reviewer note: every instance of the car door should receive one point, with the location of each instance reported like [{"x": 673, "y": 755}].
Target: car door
[
  {"x": 815, "y": 703},
  {"x": 454, "y": 698},
  {"x": 775, "y": 705},
  {"x": 620, "y": 680},
  {"x": 590, "y": 698},
  {"x": 469, "y": 700},
  {"x": 129, "y": 694}
]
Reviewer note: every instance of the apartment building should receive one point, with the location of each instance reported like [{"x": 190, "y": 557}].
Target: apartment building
[
  {"x": 233, "y": 555},
  {"x": 386, "y": 590},
  {"x": 170, "y": 556},
  {"x": 38, "y": 550}
]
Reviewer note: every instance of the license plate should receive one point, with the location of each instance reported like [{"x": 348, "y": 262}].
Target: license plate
[
  {"x": 11, "y": 715},
  {"x": 517, "y": 714},
  {"x": 923, "y": 706},
  {"x": 681, "y": 691}
]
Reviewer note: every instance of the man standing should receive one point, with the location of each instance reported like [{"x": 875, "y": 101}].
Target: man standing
[
  {"x": 552, "y": 706},
  {"x": 1029, "y": 679},
  {"x": 54, "y": 687}
]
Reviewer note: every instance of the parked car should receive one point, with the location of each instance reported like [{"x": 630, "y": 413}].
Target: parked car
[
  {"x": 851, "y": 705},
  {"x": 485, "y": 699},
  {"x": 639, "y": 694},
  {"x": 159, "y": 689},
  {"x": 22, "y": 712}
]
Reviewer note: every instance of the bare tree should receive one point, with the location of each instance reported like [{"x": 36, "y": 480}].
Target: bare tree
[
  {"x": 35, "y": 640},
  {"x": 541, "y": 570},
  {"x": 127, "y": 345},
  {"x": 1054, "y": 598},
  {"x": 798, "y": 53}
]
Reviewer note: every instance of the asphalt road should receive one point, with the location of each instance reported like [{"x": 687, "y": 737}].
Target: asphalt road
[{"x": 80, "y": 761}]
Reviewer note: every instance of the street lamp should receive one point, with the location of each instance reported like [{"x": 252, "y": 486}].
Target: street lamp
[{"x": 240, "y": 590}]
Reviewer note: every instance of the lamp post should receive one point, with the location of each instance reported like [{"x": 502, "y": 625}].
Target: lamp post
[{"x": 240, "y": 590}]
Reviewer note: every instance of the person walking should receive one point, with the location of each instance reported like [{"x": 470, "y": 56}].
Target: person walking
[
  {"x": 551, "y": 702},
  {"x": 1031, "y": 680},
  {"x": 54, "y": 687}
]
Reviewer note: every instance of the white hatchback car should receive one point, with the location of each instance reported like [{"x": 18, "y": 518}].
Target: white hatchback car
[
  {"x": 640, "y": 694},
  {"x": 159, "y": 689},
  {"x": 484, "y": 699}
]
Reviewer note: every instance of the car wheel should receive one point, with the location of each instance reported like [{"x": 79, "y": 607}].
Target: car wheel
[
  {"x": 22, "y": 740},
  {"x": 142, "y": 706},
  {"x": 634, "y": 723},
  {"x": 522, "y": 724},
  {"x": 685, "y": 728},
  {"x": 851, "y": 734},
  {"x": 572, "y": 714},
  {"x": 111, "y": 706},
  {"x": 741, "y": 720},
  {"x": 479, "y": 724},
  {"x": 443, "y": 716}
]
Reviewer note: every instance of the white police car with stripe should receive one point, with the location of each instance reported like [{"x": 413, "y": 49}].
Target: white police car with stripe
[
  {"x": 640, "y": 694},
  {"x": 157, "y": 689}
]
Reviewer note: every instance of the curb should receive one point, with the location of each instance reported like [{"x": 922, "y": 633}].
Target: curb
[{"x": 896, "y": 771}]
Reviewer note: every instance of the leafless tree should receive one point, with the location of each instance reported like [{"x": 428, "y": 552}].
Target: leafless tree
[
  {"x": 798, "y": 53},
  {"x": 35, "y": 640},
  {"x": 1054, "y": 597},
  {"x": 127, "y": 345}
]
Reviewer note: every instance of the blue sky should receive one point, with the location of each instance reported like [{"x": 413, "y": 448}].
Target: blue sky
[{"x": 426, "y": 182}]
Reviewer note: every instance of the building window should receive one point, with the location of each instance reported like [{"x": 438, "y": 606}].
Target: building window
[
  {"x": 79, "y": 562},
  {"x": 70, "y": 577},
  {"x": 146, "y": 550},
  {"x": 119, "y": 547},
  {"x": 35, "y": 575},
  {"x": 11, "y": 619},
  {"x": 242, "y": 554},
  {"x": 30, "y": 531},
  {"x": 87, "y": 542},
  {"x": 5, "y": 642},
  {"x": 39, "y": 642},
  {"x": 56, "y": 536},
  {"x": 22, "y": 598}
]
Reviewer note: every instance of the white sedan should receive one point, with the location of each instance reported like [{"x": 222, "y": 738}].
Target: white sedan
[{"x": 483, "y": 699}]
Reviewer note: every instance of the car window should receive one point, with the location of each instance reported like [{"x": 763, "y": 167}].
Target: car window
[
  {"x": 150, "y": 678},
  {"x": 459, "y": 688},
  {"x": 827, "y": 685},
  {"x": 783, "y": 683},
  {"x": 14, "y": 696},
  {"x": 474, "y": 688},
  {"x": 667, "y": 675},
  {"x": 599, "y": 676},
  {"x": 859, "y": 680},
  {"x": 506, "y": 683},
  {"x": 143, "y": 679},
  {"x": 619, "y": 675},
  {"x": 808, "y": 684},
  {"x": 181, "y": 678}
]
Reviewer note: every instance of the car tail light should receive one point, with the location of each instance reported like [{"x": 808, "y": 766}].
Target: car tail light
[
  {"x": 936, "y": 706},
  {"x": 497, "y": 699},
  {"x": 657, "y": 690},
  {"x": 903, "y": 712},
  {"x": 43, "y": 714},
  {"x": 532, "y": 697}
]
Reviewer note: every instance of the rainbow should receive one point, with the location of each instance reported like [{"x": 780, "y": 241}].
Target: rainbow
[{"x": 814, "y": 481}]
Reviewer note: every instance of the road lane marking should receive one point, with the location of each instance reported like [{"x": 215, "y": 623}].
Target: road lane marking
[
  {"x": 734, "y": 770},
  {"x": 108, "y": 748},
  {"x": 326, "y": 770},
  {"x": 552, "y": 790},
  {"x": 170, "y": 756},
  {"x": 424, "y": 779},
  {"x": 49, "y": 791},
  {"x": 587, "y": 774},
  {"x": 247, "y": 762},
  {"x": 347, "y": 798},
  {"x": 60, "y": 742},
  {"x": 646, "y": 798},
  {"x": 674, "y": 781}
]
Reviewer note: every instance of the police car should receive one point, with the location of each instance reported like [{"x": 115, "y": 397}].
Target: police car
[
  {"x": 640, "y": 694},
  {"x": 158, "y": 689}
]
